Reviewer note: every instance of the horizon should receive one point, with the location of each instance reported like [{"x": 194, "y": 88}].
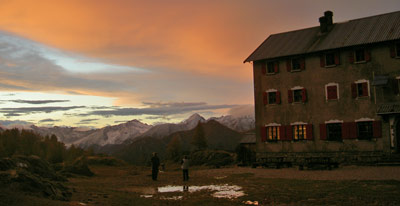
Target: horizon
[{"x": 76, "y": 64}]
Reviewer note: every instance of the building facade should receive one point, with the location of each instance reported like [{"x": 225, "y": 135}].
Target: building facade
[{"x": 330, "y": 88}]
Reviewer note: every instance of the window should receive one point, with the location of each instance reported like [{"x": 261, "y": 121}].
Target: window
[
  {"x": 364, "y": 130},
  {"x": 297, "y": 94},
  {"x": 359, "y": 55},
  {"x": 395, "y": 50},
  {"x": 273, "y": 133},
  {"x": 360, "y": 89},
  {"x": 299, "y": 132},
  {"x": 272, "y": 96},
  {"x": 332, "y": 91},
  {"x": 295, "y": 64},
  {"x": 271, "y": 68},
  {"x": 398, "y": 50},
  {"x": 334, "y": 131}
]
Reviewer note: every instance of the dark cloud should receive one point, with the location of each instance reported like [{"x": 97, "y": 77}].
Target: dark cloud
[
  {"x": 38, "y": 101},
  {"x": 87, "y": 120},
  {"x": 48, "y": 120},
  {"x": 9, "y": 112},
  {"x": 159, "y": 109},
  {"x": 14, "y": 122}
]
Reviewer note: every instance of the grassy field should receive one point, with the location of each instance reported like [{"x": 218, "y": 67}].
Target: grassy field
[{"x": 126, "y": 185}]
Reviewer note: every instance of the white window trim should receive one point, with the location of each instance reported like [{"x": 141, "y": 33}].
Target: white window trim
[
  {"x": 296, "y": 88},
  {"x": 273, "y": 125},
  {"x": 360, "y": 81},
  {"x": 326, "y": 90},
  {"x": 364, "y": 119},
  {"x": 333, "y": 121},
  {"x": 271, "y": 90},
  {"x": 298, "y": 123}
]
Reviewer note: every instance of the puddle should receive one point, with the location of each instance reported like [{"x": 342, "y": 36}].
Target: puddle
[
  {"x": 220, "y": 191},
  {"x": 220, "y": 178},
  {"x": 248, "y": 202},
  {"x": 146, "y": 196},
  {"x": 172, "y": 198}
]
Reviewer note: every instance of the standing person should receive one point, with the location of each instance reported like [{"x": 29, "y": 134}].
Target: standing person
[
  {"x": 155, "y": 163},
  {"x": 185, "y": 168}
]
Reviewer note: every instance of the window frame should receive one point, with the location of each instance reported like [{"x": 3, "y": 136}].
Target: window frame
[
  {"x": 269, "y": 67},
  {"x": 339, "y": 130},
  {"x": 361, "y": 82},
  {"x": 296, "y": 60},
  {"x": 362, "y": 52},
  {"x": 333, "y": 55},
  {"x": 273, "y": 132},
  {"x": 277, "y": 97},
  {"x": 369, "y": 128},
  {"x": 327, "y": 93},
  {"x": 397, "y": 50},
  {"x": 299, "y": 95}
]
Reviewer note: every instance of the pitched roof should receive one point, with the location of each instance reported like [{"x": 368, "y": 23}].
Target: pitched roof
[{"x": 368, "y": 30}]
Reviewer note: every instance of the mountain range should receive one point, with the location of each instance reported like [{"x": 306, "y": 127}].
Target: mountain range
[{"x": 129, "y": 131}]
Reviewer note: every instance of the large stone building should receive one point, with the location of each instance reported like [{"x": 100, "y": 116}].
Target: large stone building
[{"x": 330, "y": 88}]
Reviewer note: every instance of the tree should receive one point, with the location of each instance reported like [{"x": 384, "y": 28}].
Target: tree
[
  {"x": 174, "y": 149},
  {"x": 199, "y": 139}
]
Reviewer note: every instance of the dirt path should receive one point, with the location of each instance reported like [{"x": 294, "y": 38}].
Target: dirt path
[{"x": 342, "y": 173}]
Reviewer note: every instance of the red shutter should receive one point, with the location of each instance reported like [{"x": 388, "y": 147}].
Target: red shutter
[
  {"x": 278, "y": 97},
  {"x": 282, "y": 132},
  {"x": 377, "y": 129},
  {"x": 349, "y": 130},
  {"x": 322, "y": 60},
  {"x": 365, "y": 89},
  {"x": 309, "y": 132},
  {"x": 352, "y": 130},
  {"x": 351, "y": 57},
  {"x": 289, "y": 132},
  {"x": 303, "y": 95},
  {"x": 367, "y": 55},
  {"x": 322, "y": 131},
  {"x": 289, "y": 65},
  {"x": 290, "y": 96},
  {"x": 337, "y": 58},
  {"x": 354, "y": 90},
  {"x": 265, "y": 98},
  {"x": 302, "y": 64},
  {"x": 263, "y": 134},
  {"x": 392, "y": 51},
  {"x": 276, "y": 67},
  {"x": 264, "y": 67},
  {"x": 331, "y": 92}
]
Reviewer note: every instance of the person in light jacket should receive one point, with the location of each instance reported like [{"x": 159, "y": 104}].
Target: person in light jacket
[{"x": 185, "y": 168}]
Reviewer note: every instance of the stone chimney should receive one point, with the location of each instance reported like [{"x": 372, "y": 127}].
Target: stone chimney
[{"x": 326, "y": 21}]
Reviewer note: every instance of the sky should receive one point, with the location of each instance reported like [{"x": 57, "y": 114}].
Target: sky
[{"x": 92, "y": 63}]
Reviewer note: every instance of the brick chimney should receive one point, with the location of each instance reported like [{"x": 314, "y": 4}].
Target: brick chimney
[{"x": 326, "y": 21}]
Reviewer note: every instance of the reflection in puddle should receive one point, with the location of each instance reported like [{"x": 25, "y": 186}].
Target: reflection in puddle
[
  {"x": 248, "y": 202},
  {"x": 221, "y": 191}
]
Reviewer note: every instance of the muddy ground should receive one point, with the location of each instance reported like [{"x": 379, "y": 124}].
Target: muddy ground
[{"x": 129, "y": 185}]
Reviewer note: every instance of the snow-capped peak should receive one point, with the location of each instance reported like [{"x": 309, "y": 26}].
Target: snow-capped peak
[{"x": 193, "y": 120}]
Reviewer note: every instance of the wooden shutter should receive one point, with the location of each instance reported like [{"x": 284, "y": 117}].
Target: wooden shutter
[
  {"x": 282, "y": 133},
  {"x": 365, "y": 89},
  {"x": 309, "y": 132},
  {"x": 354, "y": 90},
  {"x": 377, "y": 129},
  {"x": 331, "y": 92},
  {"x": 351, "y": 57},
  {"x": 322, "y": 131},
  {"x": 303, "y": 95},
  {"x": 302, "y": 64},
  {"x": 276, "y": 67},
  {"x": 265, "y": 98},
  {"x": 289, "y": 132},
  {"x": 337, "y": 58},
  {"x": 263, "y": 133},
  {"x": 264, "y": 67},
  {"x": 278, "y": 97},
  {"x": 349, "y": 130},
  {"x": 367, "y": 54},
  {"x": 322, "y": 60},
  {"x": 289, "y": 65},
  {"x": 290, "y": 96},
  {"x": 392, "y": 51}
]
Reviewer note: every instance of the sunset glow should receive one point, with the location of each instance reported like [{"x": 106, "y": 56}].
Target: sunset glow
[{"x": 96, "y": 62}]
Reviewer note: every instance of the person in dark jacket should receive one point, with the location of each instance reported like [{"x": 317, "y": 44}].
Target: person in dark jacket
[
  {"x": 185, "y": 168},
  {"x": 155, "y": 163}
]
